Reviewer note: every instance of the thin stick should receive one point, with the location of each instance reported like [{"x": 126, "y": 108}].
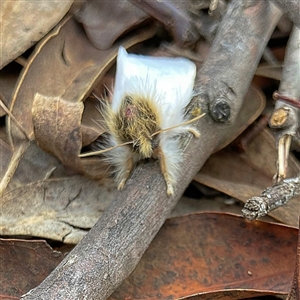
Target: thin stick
[
  {"x": 21, "y": 61},
  {"x": 272, "y": 198},
  {"x": 13, "y": 165},
  {"x": 4, "y": 107}
]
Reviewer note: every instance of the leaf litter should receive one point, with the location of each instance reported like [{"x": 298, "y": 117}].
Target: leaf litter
[{"x": 44, "y": 196}]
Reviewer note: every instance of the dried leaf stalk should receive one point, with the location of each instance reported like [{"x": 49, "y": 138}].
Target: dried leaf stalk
[{"x": 114, "y": 246}]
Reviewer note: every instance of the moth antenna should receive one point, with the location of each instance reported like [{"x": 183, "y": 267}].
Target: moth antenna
[
  {"x": 179, "y": 125},
  {"x": 104, "y": 150}
]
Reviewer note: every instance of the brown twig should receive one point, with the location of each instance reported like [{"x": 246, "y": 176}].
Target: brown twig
[
  {"x": 272, "y": 198},
  {"x": 114, "y": 246}
]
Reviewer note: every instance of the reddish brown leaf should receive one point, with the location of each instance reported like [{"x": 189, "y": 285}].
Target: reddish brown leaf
[
  {"x": 5, "y": 297},
  {"x": 295, "y": 290},
  {"x": 24, "y": 264},
  {"x": 235, "y": 294},
  {"x": 210, "y": 252}
]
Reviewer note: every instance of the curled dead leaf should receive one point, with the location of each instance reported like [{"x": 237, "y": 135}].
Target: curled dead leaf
[{"x": 61, "y": 73}]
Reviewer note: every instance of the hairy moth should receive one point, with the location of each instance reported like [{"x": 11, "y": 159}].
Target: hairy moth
[{"x": 147, "y": 114}]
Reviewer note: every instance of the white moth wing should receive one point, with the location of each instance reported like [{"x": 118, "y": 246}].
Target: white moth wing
[{"x": 168, "y": 81}]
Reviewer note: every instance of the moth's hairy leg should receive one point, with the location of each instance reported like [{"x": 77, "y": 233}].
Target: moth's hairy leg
[
  {"x": 124, "y": 172},
  {"x": 164, "y": 170}
]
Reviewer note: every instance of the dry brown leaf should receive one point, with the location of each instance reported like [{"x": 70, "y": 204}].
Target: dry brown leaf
[
  {"x": 57, "y": 125},
  {"x": 92, "y": 123},
  {"x": 34, "y": 165},
  {"x": 105, "y": 21},
  {"x": 214, "y": 256},
  {"x": 64, "y": 65},
  {"x": 57, "y": 129},
  {"x": 295, "y": 289},
  {"x": 177, "y": 19},
  {"x": 247, "y": 174},
  {"x": 24, "y": 264},
  {"x": 58, "y": 71},
  {"x": 5, "y": 297},
  {"x": 6, "y": 154},
  {"x": 23, "y": 23},
  {"x": 234, "y": 294},
  {"x": 254, "y": 104},
  {"x": 59, "y": 209},
  {"x": 273, "y": 72}
]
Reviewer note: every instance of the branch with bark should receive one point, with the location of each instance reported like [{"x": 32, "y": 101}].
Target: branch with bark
[
  {"x": 272, "y": 198},
  {"x": 291, "y": 8},
  {"x": 114, "y": 246},
  {"x": 285, "y": 117}
]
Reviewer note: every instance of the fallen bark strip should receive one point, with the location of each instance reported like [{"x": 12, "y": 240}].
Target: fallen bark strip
[
  {"x": 291, "y": 8},
  {"x": 114, "y": 246}
]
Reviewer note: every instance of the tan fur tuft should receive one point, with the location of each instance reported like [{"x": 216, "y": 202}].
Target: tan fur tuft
[{"x": 136, "y": 120}]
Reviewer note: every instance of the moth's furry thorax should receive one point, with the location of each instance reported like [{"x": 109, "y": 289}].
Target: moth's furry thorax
[{"x": 136, "y": 120}]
